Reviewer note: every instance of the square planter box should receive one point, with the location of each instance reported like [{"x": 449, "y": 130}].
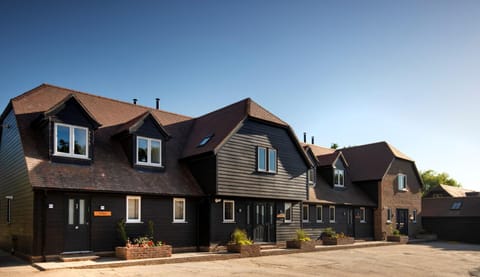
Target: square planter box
[
  {"x": 304, "y": 245},
  {"x": 400, "y": 239},
  {"x": 252, "y": 250},
  {"x": 130, "y": 253},
  {"x": 338, "y": 241}
]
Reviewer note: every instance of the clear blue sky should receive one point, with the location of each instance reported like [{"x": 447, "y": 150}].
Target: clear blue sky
[{"x": 350, "y": 72}]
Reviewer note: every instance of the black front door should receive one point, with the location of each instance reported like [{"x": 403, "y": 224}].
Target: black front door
[
  {"x": 77, "y": 237},
  {"x": 402, "y": 221},
  {"x": 350, "y": 221},
  {"x": 263, "y": 222}
]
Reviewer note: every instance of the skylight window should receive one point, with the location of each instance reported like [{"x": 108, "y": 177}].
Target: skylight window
[
  {"x": 456, "y": 205},
  {"x": 205, "y": 140}
]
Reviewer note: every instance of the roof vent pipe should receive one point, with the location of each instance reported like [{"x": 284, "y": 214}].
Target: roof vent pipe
[
  {"x": 313, "y": 140},
  {"x": 304, "y": 137},
  {"x": 135, "y": 101},
  {"x": 157, "y": 101}
]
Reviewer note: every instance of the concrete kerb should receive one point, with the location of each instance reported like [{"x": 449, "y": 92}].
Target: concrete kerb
[{"x": 194, "y": 257}]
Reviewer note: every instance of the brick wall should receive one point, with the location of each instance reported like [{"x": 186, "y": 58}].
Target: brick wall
[{"x": 130, "y": 253}]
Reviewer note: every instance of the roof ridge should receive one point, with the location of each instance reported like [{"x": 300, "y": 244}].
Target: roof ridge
[
  {"x": 222, "y": 108},
  {"x": 95, "y": 96}
]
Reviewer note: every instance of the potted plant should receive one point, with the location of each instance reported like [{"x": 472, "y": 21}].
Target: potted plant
[
  {"x": 330, "y": 237},
  {"x": 397, "y": 237},
  {"x": 142, "y": 247},
  {"x": 301, "y": 241},
  {"x": 240, "y": 243}
]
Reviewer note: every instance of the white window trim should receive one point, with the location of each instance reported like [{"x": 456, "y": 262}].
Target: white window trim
[
  {"x": 414, "y": 214},
  {"x": 71, "y": 137},
  {"x": 149, "y": 154},
  {"x": 233, "y": 211},
  {"x": 363, "y": 215},
  {"x": 265, "y": 160},
  {"x": 139, "y": 220},
  {"x": 335, "y": 180},
  {"x": 330, "y": 214},
  {"x": 308, "y": 213},
  {"x": 268, "y": 160},
  {"x": 184, "y": 218},
  {"x": 389, "y": 218},
  {"x": 311, "y": 172},
  {"x": 291, "y": 212},
  {"x": 321, "y": 213},
  {"x": 404, "y": 188}
]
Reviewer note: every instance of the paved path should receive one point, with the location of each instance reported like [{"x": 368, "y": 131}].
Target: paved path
[{"x": 429, "y": 259}]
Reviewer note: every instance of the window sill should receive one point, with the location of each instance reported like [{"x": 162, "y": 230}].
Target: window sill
[
  {"x": 363, "y": 221},
  {"x": 319, "y": 221},
  {"x": 389, "y": 222},
  {"x": 289, "y": 221},
  {"x": 305, "y": 221},
  {"x": 133, "y": 222},
  {"x": 403, "y": 190},
  {"x": 149, "y": 165},
  {"x": 180, "y": 222},
  {"x": 332, "y": 221},
  {"x": 229, "y": 221}
]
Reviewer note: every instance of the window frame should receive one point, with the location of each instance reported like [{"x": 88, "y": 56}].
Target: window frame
[
  {"x": 335, "y": 184},
  {"x": 184, "y": 214},
  {"x": 149, "y": 152},
  {"x": 330, "y": 214},
  {"x": 402, "y": 177},
  {"x": 269, "y": 151},
  {"x": 363, "y": 215},
  {"x": 321, "y": 213},
  {"x": 389, "y": 215},
  {"x": 9, "y": 209},
  {"x": 259, "y": 159},
  {"x": 267, "y": 160},
  {"x": 232, "y": 220},
  {"x": 311, "y": 174},
  {"x": 71, "y": 143},
  {"x": 307, "y": 213},
  {"x": 139, "y": 219},
  {"x": 290, "y": 214}
]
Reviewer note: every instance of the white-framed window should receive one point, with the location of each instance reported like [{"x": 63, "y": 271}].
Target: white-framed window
[
  {"x": 179, "y": 210},
  {"x": 288, "y": 212},
  {"x": 70, "y": 141},
  {"x": 414, "y": 216},
  {"x": 228, "y": 211},
  {"x": 305, "y": 213},
  {"x": 319, "y": 213},
  {"x": 389, "y": 215},
  {"x": 331, "y": 214},
  {"x": 134, "y": 209},
  {"x": 149, "y": 151},
  {"x": 311, "y": 176},
  {"x": 9, "y": 209},
  {"x": 339, "y": 177},
  {"x": 363, "y": 215},
  {"x": 402, "y": 182},
  {"x": 266, "y": 159}
]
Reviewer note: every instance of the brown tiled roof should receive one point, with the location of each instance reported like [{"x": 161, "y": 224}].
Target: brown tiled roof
[
  {"x": 222, "y": 123},
  {"x": 318, "y": 150},
  {"x": 324, "y": 193},
  {"x": 371, "y": 161},
  {"x": 442, "y": 207},
  {"x": 450, "y": 190},
  {"x": 111, "y": 171}
]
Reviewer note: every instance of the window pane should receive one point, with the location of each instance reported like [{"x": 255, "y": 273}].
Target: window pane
[
  {"x": 288, "y": 211},
  {"x": 261, "y": 159},
  {"x": 332, "y": 213},
  {"x": 305, "y": 213},
  {"x": 155, "y": 158},
  {"x": 81, "y": 214},
  {"x": 133, "y": 209},
  {"x": 71, "y": 209},
  {"x": 272, "y": 160},
  {"x": 319, "y": 213},
  {"x": 179, "y": 208},
  {"x": 257, "y": 214},
  {"x": 63, "y": 139},
  {"x": 228, "y": 211},
  {"x": 248, "y": 214},
  {"x": 142, "y": 150},
  {"x": 80, "y": 136}
]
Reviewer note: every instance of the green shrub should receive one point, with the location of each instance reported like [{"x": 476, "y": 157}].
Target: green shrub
[
  {"x": 396, "y": 232},
  {"x": 240, "y": 237},
  {"x": 302, "y": 236},
  {"x": 329, "y": 232},
  {"x": 122, "y": 233}
]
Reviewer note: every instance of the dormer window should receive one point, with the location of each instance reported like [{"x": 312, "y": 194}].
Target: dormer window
[
  {"x": 71, "y": 141},
  {"x": 402, "y": 182},
  {"x": 311, "y": 177},
  {"x": 339, "y": 178},
  {"x": 266, "y": 160},
  {"x": 149, "y": 152}
]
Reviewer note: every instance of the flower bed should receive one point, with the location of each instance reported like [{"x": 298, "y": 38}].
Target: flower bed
[
  {"x": 298, "y": 244},
  {"x": 139, "y": 252},
  {"x": 337, "y": 241},
  {"x": 252, "y": 250}
]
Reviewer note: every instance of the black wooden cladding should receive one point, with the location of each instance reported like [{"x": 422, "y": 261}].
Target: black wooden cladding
[
  {"x": 204, "y": 171},
  {"x": 465, "y": 229},
  {"x": 237, "y": 164},
  {"x": 13, "y": 175}
]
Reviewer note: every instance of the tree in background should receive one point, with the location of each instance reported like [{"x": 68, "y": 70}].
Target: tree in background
[
  {"x": 432, "y": 179},
  {"x": 334, "y": 145}
]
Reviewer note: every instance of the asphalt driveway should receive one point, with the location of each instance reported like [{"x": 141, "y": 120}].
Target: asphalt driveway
[{"x": 429, "y": 259}]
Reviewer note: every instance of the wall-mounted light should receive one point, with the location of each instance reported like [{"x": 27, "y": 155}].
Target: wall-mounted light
[
  {"x": 102, "y": 208},
  {"x": 218, "y": 200}
]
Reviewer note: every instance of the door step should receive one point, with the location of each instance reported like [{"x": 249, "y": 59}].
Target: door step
[{"x": 78, "y": 257}]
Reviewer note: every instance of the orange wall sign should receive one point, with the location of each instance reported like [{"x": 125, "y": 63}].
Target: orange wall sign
[{"x": 102, "y": 213}]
